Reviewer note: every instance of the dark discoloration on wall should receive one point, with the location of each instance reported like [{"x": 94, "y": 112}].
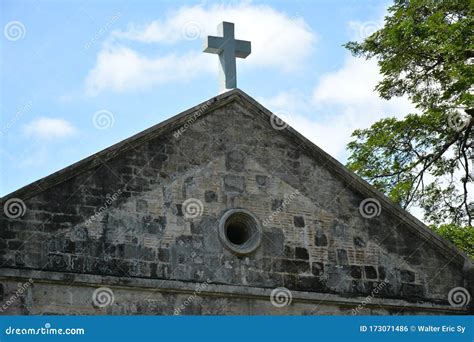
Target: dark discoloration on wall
[{"x": 230, "y": 158}]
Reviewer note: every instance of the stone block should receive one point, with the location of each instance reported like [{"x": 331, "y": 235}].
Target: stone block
[
  {"x": 210, "y": 196},
  {"x": 235, "y": 161},
  {"x": 370, "y": 272},
  {"x": 234, "y": 184},
  {"x": 298, "y": 221},
  {"x": 301, "y": 253}
]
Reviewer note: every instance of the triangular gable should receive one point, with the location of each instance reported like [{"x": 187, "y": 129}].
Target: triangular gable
[{"x": 173, "y": 124}]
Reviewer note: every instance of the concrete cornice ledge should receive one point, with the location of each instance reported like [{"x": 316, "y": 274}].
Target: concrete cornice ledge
[{"x": 218, "y": 290}]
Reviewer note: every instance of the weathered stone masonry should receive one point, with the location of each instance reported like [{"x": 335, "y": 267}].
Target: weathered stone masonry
[{"x": 145, "y": 247}]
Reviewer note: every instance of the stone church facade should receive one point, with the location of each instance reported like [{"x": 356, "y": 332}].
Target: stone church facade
[{"x": 220, "y": 210}]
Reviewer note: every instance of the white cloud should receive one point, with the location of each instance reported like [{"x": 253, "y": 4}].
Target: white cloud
[
  {"x": 49, "y": 128},
  {"x": 278, "y": 41},
  {"x": 342, "y": 101},
  {"x": 352, "y": 84},
  {"x": 120, "y": 69},
  {"x": 349, "y": 100},
  {"x": 352, "y": 89}
]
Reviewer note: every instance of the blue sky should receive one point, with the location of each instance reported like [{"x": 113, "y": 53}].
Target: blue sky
[{"x": 79, "y": 76}]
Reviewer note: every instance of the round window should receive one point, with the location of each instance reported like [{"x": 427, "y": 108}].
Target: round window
[{"x": 240, "y": 231}]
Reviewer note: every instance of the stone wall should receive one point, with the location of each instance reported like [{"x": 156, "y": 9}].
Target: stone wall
[{"x": 152, "y": 211}]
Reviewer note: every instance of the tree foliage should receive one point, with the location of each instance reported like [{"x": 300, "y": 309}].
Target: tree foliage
[
  {"x": 461, "y": 237},
  {"x": 425, "y": 51}
]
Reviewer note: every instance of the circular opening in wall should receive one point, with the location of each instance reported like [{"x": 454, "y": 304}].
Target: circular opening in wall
[
  {"x": 237, "y": 233},
  {"x": 240, "y": 231}
]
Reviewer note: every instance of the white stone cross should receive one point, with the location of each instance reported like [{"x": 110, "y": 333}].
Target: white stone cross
[{"x": 228, "y": 48}]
